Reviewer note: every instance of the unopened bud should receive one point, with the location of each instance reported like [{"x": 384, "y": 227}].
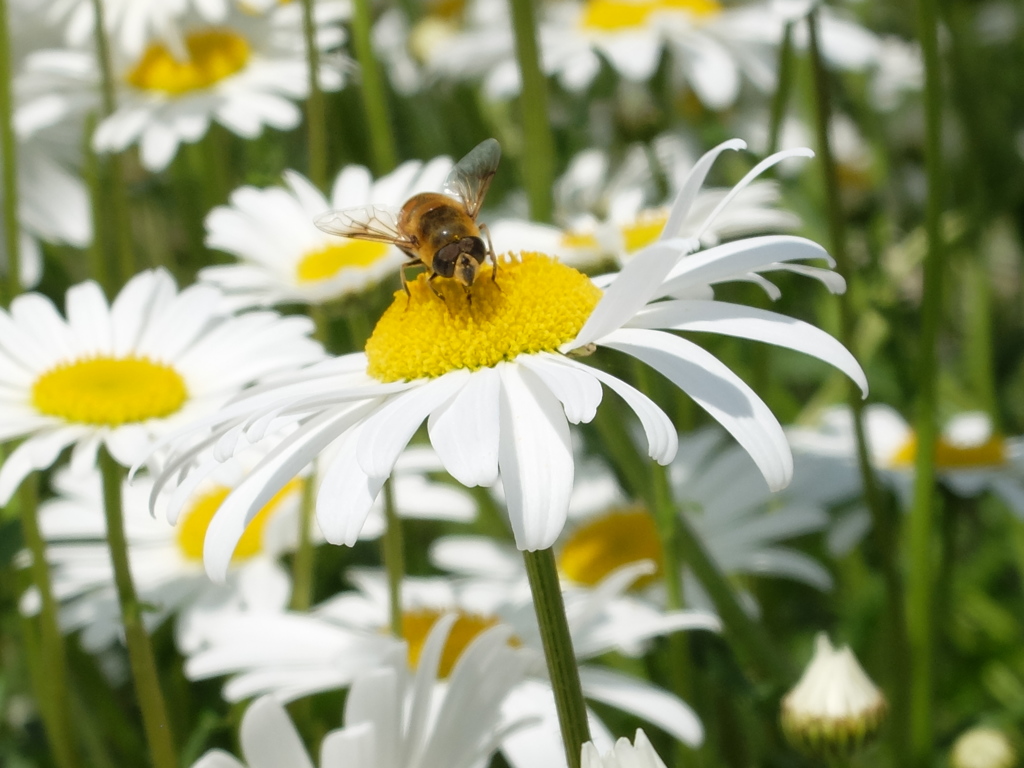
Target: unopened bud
[
  {"x": 835, "y": 708},
  {"x": 983, "y": 747},
  {"x": 639, "y": 754}
]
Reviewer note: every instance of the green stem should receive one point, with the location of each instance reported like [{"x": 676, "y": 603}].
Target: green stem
[
  {"x": 57, "y": 716},
  {"x": 782, "y": 89},
  {"x": 140, "y": 649},
  {"x": 746, "y": 635},
  {"x": 302, "y": 564},
  {"x": 378, "y": 117},
  {"x": 9, "y": 162},
  {"x": 316, "y": 114},
  {"x": 884, "y": 530},
  {"x": 978, "y": 327},
  {"x": 393, "y": 550},
  {"x": 99, "y": 269},
  {"x": 116, "y": 202},
  {"x": 558, "y": 651},
  {"x": 920, "y": 576},
  {"x": 538, "y": 156}
]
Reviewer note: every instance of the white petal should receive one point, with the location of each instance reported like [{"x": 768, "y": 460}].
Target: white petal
[
  {"x": 391, "y": 428},
  {"x": 350, "y": 747},
  {"x": 638, "y": 697},
  {"x": 216, "y": 758},
  {"x": 464, "y": 431},
  {"x": 346, "y": 493},
  {"x": 750, "y": 323},
  {"x": 37, "y": 452},
  {"x": 535, "y": 457},
  {"x": 718, "y": 391},
  {"x": 691, "y": 187},
  {"x": 269, "y": 739},
  {"x": 578, "y": 391}
]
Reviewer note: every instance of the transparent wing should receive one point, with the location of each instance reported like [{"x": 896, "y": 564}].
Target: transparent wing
[
  {"x": 472, "y": 175},
  {"x": 372, "y": 222}
]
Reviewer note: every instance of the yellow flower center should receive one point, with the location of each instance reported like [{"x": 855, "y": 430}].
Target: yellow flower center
[
  {"x": 578, "y": 241},
  {"x": 536, "y": 305},
  {"x": 416, "y": 625},
  {"x": 213, "y": 55},
  {"x": 607, "y": 543},
  {"x": 108, "y": 391},
  {"x": 612, "y": 15},
  {"x": 991, "y": 453},
  {"x": 332, "y": 259},
  {"x": 193, "y": 524},
  {"x": 644, "y": 230}
]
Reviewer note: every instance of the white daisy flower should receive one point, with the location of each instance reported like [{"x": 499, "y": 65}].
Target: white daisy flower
[
  {"x": 392, "y": 721},
  {"x": 123, "y": 374},
  {"x": 294, "y": 655},
  {"x": 284, "y": 258},
  {"x": 165, "y": 560},
  {"x": 738, "y": 519},
  {"x": 639, "y": 754},
  {"x": 714, "y": 46},
  {"x": 489, "y": 371},
  {"x": 605, "y": 214},
  {"x": 971, "y": 458},
  {"x": 245, "y": 72}
]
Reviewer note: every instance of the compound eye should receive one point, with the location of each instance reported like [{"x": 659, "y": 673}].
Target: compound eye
[
  {"x": 446, "y": 258},
  {"x": 474, "y": 246}
]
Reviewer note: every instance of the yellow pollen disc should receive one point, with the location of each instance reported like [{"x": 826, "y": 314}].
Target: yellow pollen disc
[
  {"x": 611, "y": 15},
  {"x": 645, "y": 230},
  {"x": 193, "y": 524},
  {"x": 537, "y": 305},
  {"x": 108, "y": 391},
  {"x": 991, "y": 453},
  {"x": 329, "y": 261},
  {"x": 213, "y": 55},
  {"x": 416, "y": 625},
  {"x": 609, "y": 542}
]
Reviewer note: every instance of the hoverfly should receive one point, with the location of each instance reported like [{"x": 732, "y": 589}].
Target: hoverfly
[{"x": 436, "y": 231}]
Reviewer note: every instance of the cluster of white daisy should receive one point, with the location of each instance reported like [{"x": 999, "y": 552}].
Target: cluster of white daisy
[{"x": 204, "y": 449}]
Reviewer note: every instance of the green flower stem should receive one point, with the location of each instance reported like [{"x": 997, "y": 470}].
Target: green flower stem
[
  {"x": 140, "y": 649},
  {"x": 316, "y": 113},
  {"x": 393, "y": 550},
  {"x": 9, "y": 162},
  {"x": 782, "y": 89},
  {"x": 378, "y": 114},
  {"x": 305, "y": 553},
  {"x": 745, "y": 634},
  {"x": 883, "y": 528},
  {"x": 92, "y": 172},
  {"x": 116, "y": 198},
  {"x": 538, "y": 153},
  {"x": 54, "y": 679},
  {"x": 561, "y": 660},
  {"x": 920, "y": 537}
]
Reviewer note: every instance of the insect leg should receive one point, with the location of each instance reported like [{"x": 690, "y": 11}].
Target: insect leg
[{"x": 490, "y": 251}]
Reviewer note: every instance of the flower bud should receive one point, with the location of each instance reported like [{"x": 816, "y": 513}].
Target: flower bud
[
  {"x": 639, "y": 754},
  {"x": 835, "y": 708},
  {"x": 983, "y": 747}
]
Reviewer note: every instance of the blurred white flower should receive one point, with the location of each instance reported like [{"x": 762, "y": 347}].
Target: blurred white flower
[
  {"x": 123, "y": 374},
  {"x": 166, "y": 561},
  {"x": 294, "y": 655},
  {"x": 392, "y": 721},
  {"x": 982, "y": 747},
  {"x": 284, "y": 258}
]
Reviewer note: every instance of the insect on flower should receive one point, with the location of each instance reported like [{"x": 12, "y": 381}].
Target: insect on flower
[{"x": 437, "y": 231}]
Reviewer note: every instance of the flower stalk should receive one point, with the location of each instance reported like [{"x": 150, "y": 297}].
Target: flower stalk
[
  {"x": 378, "y": 114},
  {"x": 9, "y": 162},
  {"x": 316, "y": 113},
  {"x": 116, "y": 201},
  {"x": 538, "y": 145},
  {"x": 920, "y": 579},
  {"x": 884, "y": 531},
  {"x": 393, "y": 550},
  {"x": 782, "y": 88},
  {"x": 558, "y": 651},
  {"x": 53, "y": 680},
  {"x": 140, "y": 649}
]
